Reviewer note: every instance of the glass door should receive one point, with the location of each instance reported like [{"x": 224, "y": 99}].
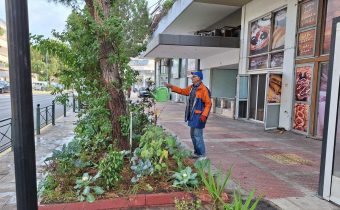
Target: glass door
[{"x": 257, "y": 96}]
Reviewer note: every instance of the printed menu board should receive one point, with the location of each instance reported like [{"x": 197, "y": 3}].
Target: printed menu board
[
  {"x": 259, "y": 62},
  {"x": 308, "y": 13},
  {"x": 274, "y": 88},
  {"x": 301, "y": 112},
  {"x": 279, "y": 30},
  {"x": 306, "y": 42},
  {"x": 260, "y": 35},
  {"x": 303, "y": 83}
]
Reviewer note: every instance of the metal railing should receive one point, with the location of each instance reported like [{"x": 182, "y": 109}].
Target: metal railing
[
  {"x": 5, "y": 134},
  {"x": 45, "y": 116}
]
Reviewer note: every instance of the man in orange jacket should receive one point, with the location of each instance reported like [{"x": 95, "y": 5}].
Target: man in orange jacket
[{"x": 197, "y": 110}]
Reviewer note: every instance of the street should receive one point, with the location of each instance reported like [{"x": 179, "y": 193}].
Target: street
[
  {"x": 5, "y": 113},
  {"x": 42, "y": 99}
]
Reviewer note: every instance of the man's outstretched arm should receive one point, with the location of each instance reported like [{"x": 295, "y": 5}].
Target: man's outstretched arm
[{"x": 182, "y": 91}]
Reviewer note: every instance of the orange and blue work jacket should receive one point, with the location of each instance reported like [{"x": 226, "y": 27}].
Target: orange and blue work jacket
[{"x": 201, "y": 104}]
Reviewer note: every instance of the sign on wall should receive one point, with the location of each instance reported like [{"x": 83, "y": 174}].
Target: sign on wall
[
  {"x": 301, "y": 112},
  {"x": 308, "y": 14},
  {"x": 306, "y": 42}
]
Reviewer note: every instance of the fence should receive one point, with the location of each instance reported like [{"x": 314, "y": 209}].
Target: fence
[{"x": 5, "y": 134}]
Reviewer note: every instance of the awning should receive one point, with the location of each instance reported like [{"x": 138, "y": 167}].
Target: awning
[{"x": 189, "y": 46}]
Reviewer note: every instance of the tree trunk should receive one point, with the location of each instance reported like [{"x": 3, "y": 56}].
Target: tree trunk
[{"x": 111, "y": 75}]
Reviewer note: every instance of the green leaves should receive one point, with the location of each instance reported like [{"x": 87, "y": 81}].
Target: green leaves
[
  {"x": 85, "y": 187},
  {"x": 185, "y": 178},
  {"x": 110, "y": 168}
]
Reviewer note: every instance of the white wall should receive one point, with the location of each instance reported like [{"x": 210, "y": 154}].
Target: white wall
[
  {"x": 230, "y": 57},
  {"x": 254, "y": 10}
]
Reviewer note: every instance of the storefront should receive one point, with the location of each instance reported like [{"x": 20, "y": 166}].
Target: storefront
[
  {"x": 329, "y": 187},
  {"x": 262, "y": 61},
  {"x": 288, "y": 39}
]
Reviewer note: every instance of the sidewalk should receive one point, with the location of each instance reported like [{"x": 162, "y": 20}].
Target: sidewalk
[
  {"x": 282, "y": 167},
  {"x": 51, "y": 137}
]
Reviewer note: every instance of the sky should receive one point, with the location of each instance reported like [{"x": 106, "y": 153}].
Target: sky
[{"x": 44, "y": 16}]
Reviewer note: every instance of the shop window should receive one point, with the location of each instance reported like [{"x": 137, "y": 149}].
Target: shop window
[
  {"x": 267, "y": 41},
  {"x": 321, "y": 102},
  {"x": 333, "y": 10},
  {"x": 307, "y": 28}
]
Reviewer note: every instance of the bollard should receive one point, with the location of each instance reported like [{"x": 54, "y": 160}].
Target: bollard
[
  {"x": 53, "y": 112},
  {"x": 74, "y": 103},
  {"x": 46, "y": 115},
  {"x": 38, "y": 119},
  {"x": 65, "y": 109}
]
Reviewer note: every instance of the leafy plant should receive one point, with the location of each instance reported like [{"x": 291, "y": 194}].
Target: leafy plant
[
  {"x": 86, "y": 187},
  {"x": 185, "y": 178},
  {"x": 238, "y": 204},
  {"x": 188, "y": 204},
  {"x": 110, "y": 167},
  {"x": 140, "y": 168},
  {"x": 179, "y": 155},
  {"x": 214, "y": 186}
]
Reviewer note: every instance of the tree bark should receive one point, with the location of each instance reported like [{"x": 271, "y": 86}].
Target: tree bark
[{"x": 110, "y": 75}]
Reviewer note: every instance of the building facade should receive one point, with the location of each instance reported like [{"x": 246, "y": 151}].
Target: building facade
[
  {"x": 265, "y": 61},
  {"x": 4, "y": 74}
]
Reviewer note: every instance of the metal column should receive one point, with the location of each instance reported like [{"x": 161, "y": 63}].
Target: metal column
[{"x": 21, "y": 102}]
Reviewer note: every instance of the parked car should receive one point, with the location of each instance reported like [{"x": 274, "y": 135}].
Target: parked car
[
  {"x": 143, "y": 92},
  {"x": 39, "y": 85},
  {"x": 4, "y": 86}
]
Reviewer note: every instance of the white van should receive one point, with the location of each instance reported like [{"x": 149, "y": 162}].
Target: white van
[{"x": 39, "y": 85}]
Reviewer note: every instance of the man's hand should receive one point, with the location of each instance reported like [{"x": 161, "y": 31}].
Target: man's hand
[
  {"x": 168, "y": 85},
  {"x": 203, "y": 118}
]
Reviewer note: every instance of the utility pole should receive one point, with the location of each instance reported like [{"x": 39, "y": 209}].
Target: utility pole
[
  {"x": 46, "y": 61},
  {"x": 21, "y": 103}
]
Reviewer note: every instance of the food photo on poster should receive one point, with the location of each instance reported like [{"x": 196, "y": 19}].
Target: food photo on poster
[
  {"x": 274, "y": 88},
  {"x": 303, "y": 83},
  {"x": 260, "y": 35},
  {"x": 279, "y": 30},
  {"x": 301, "y": 117},
  {"x": 259, "y": 62},
  {"x": 276, "y": 60}
]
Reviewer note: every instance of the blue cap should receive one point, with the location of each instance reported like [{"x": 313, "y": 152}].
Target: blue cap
[{"x": 198, "y": 73}]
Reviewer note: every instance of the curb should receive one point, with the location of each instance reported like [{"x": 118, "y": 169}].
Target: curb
[{"x": 133, "y": 201}]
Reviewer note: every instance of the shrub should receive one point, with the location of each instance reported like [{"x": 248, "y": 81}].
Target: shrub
[
  {"x": 86, "y": 187},
  {"x": 110, "y": 167}
]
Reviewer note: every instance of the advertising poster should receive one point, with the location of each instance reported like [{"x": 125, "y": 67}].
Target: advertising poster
[
  {"x": 276, "y": 60},
  {"x": 301, "y": 117},
  {"x": 260, "y": 35},
  {"x": 259, "y": 62},
  {"x": 306, "y": 42},
  {"x": 308, "y": 13},
  {"x": 279, "y": 30},
  {"x": 303, "y": 83},
  {"x": 322, "y": 98},
  {"x": 274, "y": 88}
]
